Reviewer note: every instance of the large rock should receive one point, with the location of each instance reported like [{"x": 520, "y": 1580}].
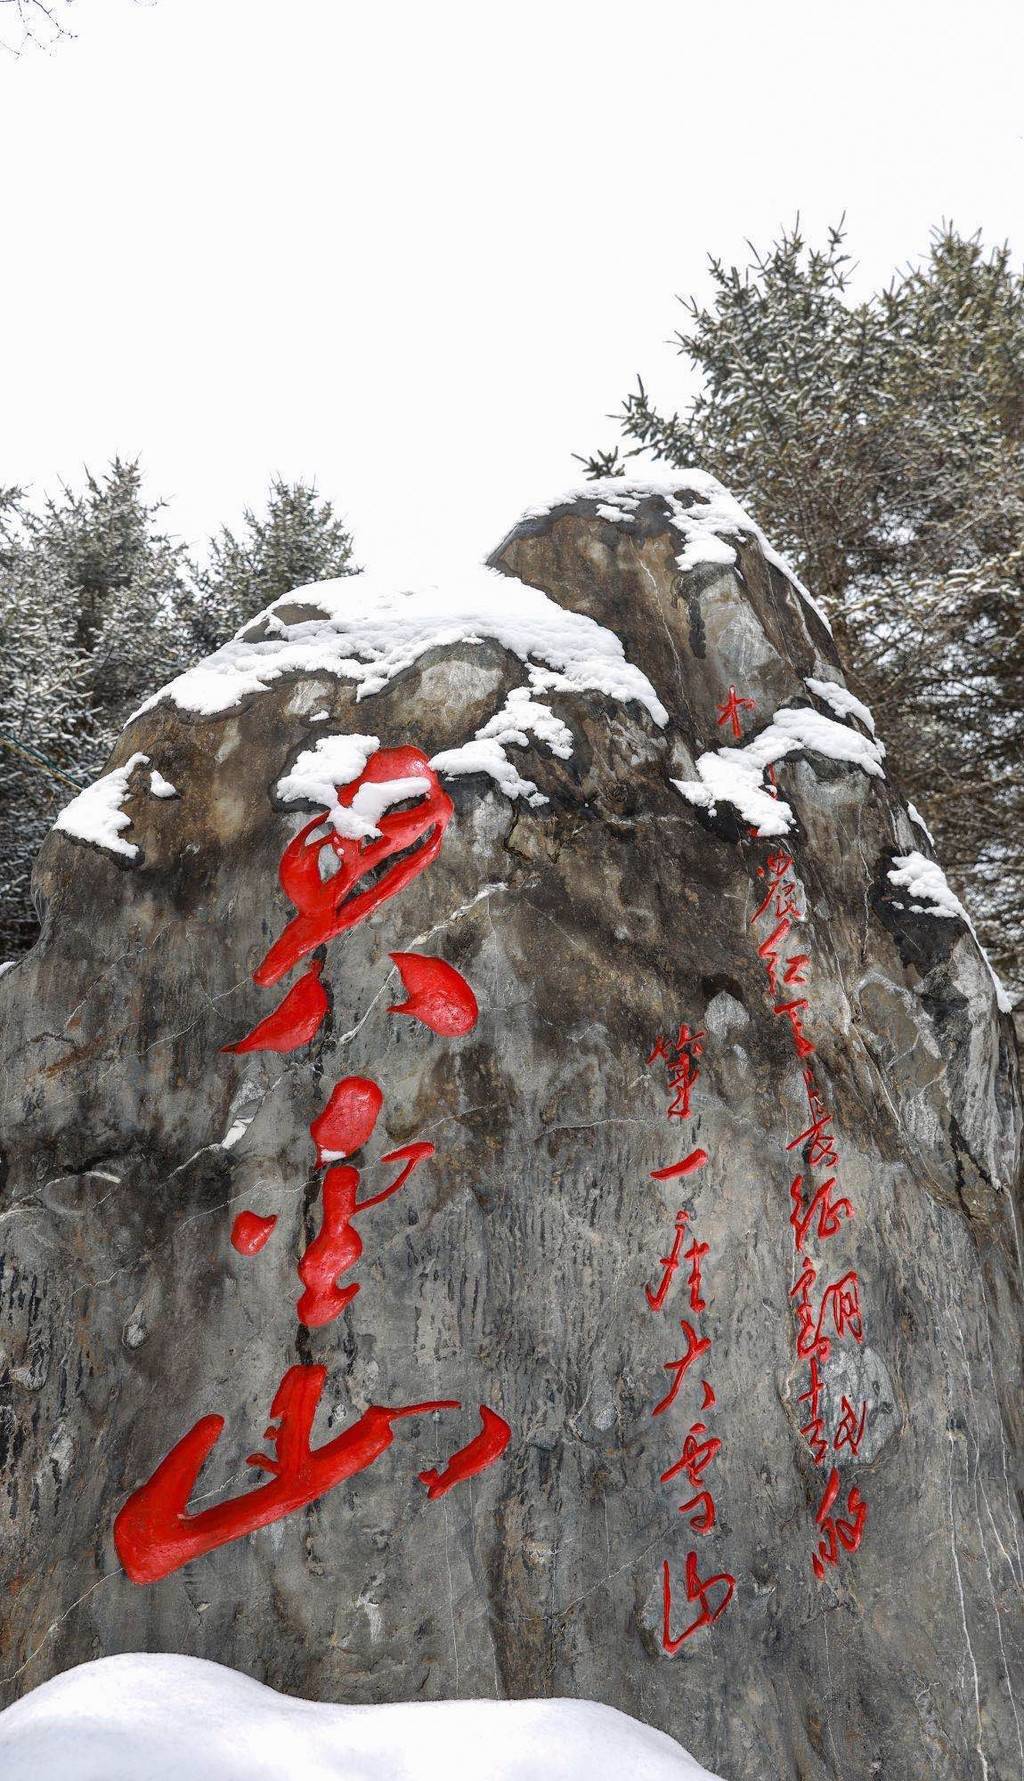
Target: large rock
[{"x": 537, "y": 1263}]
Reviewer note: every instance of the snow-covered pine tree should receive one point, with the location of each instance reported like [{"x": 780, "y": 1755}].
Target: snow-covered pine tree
[
  {"x": 881, "y": 444},
  {"x": 99, "y": 606},
  {"x": 299, "y": 540}
]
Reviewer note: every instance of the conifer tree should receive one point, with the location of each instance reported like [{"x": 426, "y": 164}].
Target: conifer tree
[
  {"x": 98, "y": 607},
  {"x": 880, "y": 443}
]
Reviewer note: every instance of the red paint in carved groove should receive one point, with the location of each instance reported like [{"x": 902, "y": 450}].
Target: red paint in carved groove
[
  {"x": 696, "y": 1591},
  {"x": 348, "y": 1119},
  {"x": 680, "y": 1055},
  {"x": 695, "y": 1455},
  {"x": 438, "y": 995},
  {"x": 154, "y": 1534},
  {"x": 250, "y": 1232},
  {"x": 836, "y": 1532},
  {"x": 850, "y": 1431},
  {"x": 669, "y": 1263},
  {"x": 709, "y": 1395},
  {"x": 476, "y": 1456},
  {"x": 337, "y": 1247},
  {"x": 830, "y": 1212},
  {"x": 328, "y": 907},
  {"x": 695, "y": 1160},
  {"x": 695, "y": 1346},
  {"x": 294, "y": 1022},
  {"x": 729, "y": 713}
]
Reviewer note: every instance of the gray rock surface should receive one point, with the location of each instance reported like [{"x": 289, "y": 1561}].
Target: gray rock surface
[{"x": 511, "y": 1269}]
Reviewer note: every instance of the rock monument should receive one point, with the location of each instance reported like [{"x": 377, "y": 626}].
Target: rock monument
[{"x": 511, "y": 1175}]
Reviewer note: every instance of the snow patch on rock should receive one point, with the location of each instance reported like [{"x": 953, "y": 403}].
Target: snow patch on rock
[
  {"x": 706, "y": 523},
  {"x": 519, "y": 718},
  {"x": 736, "y": 775},
  {"x": 161, "y": 787},
  {"x": 96, "y": 814},
  {"x": 925, "y": 880},
  {"x": 843, "y": 702},
  {"x": 165, "y": 1717},
  {"x": 915, "y": 816},
  {"x": 318, "y": 771}
]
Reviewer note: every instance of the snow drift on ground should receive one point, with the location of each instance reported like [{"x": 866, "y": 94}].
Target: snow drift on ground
[{"x": 166, "y": 1718}]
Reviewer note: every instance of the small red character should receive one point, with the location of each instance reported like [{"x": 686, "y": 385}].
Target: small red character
[
  {"x": 837, "y": 1532},
  {"x": 693, "y": 1256},
  {"x": 830, "y": 1212},
  {"x": 696, "y": 1455},
  {"x": 695, "y": 1346},
  {"x": 821, "y": 1144},
  {"x": 791, "y": 1011},
  {"x": 680, "y": 1056},
  {"x": 696, "y": 1591},
  {"x": 782, "y": 890},
  {"x": 670, "y": 1263},
  {"x": 702, "y": 1520},
  {"x": 729, "y": 713},
  {"x": 850, "y": 1428}
]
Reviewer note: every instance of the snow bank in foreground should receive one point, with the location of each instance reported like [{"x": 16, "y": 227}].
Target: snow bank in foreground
[
  {"x": 925, "y": 880},
  {"x": 168, "y": 1718}
]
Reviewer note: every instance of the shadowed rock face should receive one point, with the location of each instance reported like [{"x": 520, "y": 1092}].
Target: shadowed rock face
[{"x": 511, "y": 1268}]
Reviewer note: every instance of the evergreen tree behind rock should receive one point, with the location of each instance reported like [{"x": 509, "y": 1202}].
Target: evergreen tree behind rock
[
  {"x": 300, "y": 540},
  {"x": 881, "y": 444},
  {"x": 99, "y": 605}
]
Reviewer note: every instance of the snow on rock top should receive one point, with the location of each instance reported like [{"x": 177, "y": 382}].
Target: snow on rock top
[
  {"x": 706, "y": 522},
  {"x": 925, "y": 880},
  {"x": 164, "y": 1717},
  {"x": 96, "y": 814},
  {"x": 361, "y": 628},
  {"x": 735, "y": 775}
]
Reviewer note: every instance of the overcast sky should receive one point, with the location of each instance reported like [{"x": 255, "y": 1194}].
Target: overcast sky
[{"x": 419, "y": 250}]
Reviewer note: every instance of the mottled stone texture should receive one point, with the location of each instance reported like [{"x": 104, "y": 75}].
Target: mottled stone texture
[{"x": 512, "y": 1268}]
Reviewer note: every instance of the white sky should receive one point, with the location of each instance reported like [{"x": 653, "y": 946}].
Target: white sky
[{"x": 418, "y": 250}]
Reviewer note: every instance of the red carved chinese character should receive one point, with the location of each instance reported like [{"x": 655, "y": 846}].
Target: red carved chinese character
[
  {"x": 830, "y": 1212},
  {"x": 729, "y": 713},
  {"x": 337, "y": 1247},
  {"x": 154, "y": 1533},
  {"x": 703, "y": 1505},
  {"x": 781, "y": 889},
  {"x": 709, "y": 1395},
  {"x": 696, "y": 1591},
  {"x": 410, "y": 839},
  {"x": 294, "y": 1022},
  {"x": 821, "y": 1152},
  {"x": 837, "y": 1532},
  {"x": 681, "y": 1057},
  {"x": 250, "y": 1232},
  {"x": 670, "y": 1263},
  {"x": 693, "y": 1256},
  {"x": 791, "y": 1010},
  {"x": 842, "y": 1299},
  {"x": 695, "y": 1345},
  {"x": 770, "y": 950},
  {"x": 814, "y": 1430},
  {"x": 850, "y": 1429},
  {"x": 696, "y": 1454}
]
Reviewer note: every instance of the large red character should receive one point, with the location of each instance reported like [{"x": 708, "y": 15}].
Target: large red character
[{"x": 330, "y": 906}]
